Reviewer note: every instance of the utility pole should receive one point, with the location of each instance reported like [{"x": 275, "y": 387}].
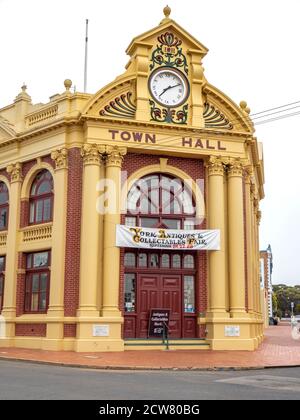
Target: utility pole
[{"x": 86, "y": 54}]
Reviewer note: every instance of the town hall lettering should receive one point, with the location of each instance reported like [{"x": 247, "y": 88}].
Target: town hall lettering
[
  {"x": 133, "y": 136},
  {"x": 188, "y": 142},
  {"x": 202, "y": 144}
]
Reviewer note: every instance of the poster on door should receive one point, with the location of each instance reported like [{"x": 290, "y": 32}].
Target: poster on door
[
  {"x": 158, "y": 322},
  {"x": 139, "y": 237}
]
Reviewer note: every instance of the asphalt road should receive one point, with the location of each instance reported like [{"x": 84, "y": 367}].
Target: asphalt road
[{"x": 24, "y": 381}]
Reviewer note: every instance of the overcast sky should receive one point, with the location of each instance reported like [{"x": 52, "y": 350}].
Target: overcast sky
[{"x": 254, "y": 56}]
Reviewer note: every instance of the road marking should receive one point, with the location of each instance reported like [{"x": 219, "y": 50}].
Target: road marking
[{"x": 276, "y": 383}]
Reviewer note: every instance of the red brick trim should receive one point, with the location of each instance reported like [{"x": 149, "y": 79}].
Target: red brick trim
[
  {"x": 70, "y": 330},
  {"x": 31, "y": 330},
  {"x": 24, "y": 213},
  {"x": 20, "y": 285},
  {"x": 26, "y": 167},
  {"x": 245, "y": 248},
  {"x": 5, "y": 174},
  {"x": 47, "y": 159},
  {"x": 73, "y": 235}
]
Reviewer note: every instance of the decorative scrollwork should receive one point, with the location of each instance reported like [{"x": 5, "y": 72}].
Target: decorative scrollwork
[
  {"x": 216, "y": 166},
  {"x": 169, "y": 53},
  {"x": 60, "y": 158},
  {"x": 215, "y": 119},
  {"x": 168, "y": 115},
  {"x": 121, "y": 107},
  {"x": 15, "y": 171}
]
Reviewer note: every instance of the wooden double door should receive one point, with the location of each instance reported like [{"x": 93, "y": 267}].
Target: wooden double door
[{"x": 160, "y": 291}]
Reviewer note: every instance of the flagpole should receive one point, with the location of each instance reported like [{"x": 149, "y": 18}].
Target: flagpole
[{"x": 86, "y": 54}]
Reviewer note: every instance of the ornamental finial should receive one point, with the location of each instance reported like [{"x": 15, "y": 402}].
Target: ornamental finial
[
  {"x": 68, "y": 84},
  {"x": 167, "y": 11}
]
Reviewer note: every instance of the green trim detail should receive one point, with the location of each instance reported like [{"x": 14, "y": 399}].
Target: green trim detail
[{"x": 167, "y": 115}]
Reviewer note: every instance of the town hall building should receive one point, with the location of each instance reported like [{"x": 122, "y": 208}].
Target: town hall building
[{"x": 141, "y": 197}]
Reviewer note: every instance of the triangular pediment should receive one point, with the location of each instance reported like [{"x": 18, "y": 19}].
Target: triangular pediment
[{"x": 150, "y": 38}]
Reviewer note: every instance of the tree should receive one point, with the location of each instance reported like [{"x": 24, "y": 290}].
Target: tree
[
  {"x": 274, "y": 303},
  {"x": 285, "y": 295}
]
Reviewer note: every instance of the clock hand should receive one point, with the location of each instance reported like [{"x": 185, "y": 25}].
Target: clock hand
[
  {"x": 165, "y": 91},
  {"x": 168, "y": 88},
  {"x": 171, "y": 87}
]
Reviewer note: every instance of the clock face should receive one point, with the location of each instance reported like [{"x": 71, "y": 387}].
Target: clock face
[{"x": 169, "y": 87}]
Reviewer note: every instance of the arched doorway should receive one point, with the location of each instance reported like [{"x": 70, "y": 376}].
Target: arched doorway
[{"x": 159, "y": 279}]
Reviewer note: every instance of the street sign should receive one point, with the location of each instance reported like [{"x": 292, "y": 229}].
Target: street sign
[{"x": 159, "y": 322}]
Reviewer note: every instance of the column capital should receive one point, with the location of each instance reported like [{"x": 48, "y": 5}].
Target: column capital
[
  {"x": 15, "y": 171},
  {"x": 215, "y": 166},
  {"x": 235, "y": 168},
  {"x": 115, "y": 156},
  {"x": 256, "y": 205},
  {"x": 259, "y": 216},
  {"x": 60, "y": 158},
  {"x": 91, "y": 154},
  {"x": 248, "y": 173},
  {"x": 251, "y": 141},
  {"x": 253, "y": 190}
]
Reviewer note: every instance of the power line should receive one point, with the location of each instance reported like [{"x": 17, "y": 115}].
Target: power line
[
  {"x": 273, "y": 109},
  {"x": 278, "y": 118},
  {"x": 248, "y": 118},
  {"x": 277, "y": 112}
]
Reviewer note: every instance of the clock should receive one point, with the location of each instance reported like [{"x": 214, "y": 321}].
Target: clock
[{"x": 169, "y": 87}]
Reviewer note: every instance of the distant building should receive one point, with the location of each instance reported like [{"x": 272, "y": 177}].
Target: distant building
[{"x": 266, "y": 269}]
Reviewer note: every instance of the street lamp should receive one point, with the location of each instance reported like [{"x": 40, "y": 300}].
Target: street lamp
[{"x": 292, "y": 306}]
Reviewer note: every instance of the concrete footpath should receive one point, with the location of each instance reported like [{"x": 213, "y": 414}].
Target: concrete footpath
[{"x": 278, "y": 350}]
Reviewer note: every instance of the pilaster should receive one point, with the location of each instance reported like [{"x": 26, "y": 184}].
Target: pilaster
[
  {"x": 111, "y": 268},
  {"x": 217, "y": 259},
  {"x": 90, "y": 241},
  {"x": 249, "y": 239},
  {"x": 236, "y": 239},
  {"x": 55, "y": 328},
  {"x": 9, "y": 309}
]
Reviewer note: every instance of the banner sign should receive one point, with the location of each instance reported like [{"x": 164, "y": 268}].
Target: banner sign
[
  {"x": 158, "y": 322},
  {"x": 133, "y": 237}
]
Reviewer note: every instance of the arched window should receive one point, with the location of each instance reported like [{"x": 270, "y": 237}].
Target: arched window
[
  {"x": 165, "y": 261},
  {"x": 4, "y": 206},
  {"x": 160, "y": 201},
  {"x": 176, "y": 261},
  {"x": 189, "y": 261},
  {"x": 41, "y": 198}
]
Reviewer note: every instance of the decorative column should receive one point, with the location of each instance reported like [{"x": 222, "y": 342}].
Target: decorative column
[
  {"x": 257, "y": 260},
  {"x": 256, "y": 265},
  {"x": 111, "y": 267},
  {"x": 217, "y": 259},
  {"x": 90, "y": 240},
  {"x": 253, "y": 252},
  {"x": 259, "y": 291},
  {"x": 55, "y": 326},
  {"x": 9, "y": 309},
  {"x": 249, "y": 240},
  {"x": 236, "y": 239}
]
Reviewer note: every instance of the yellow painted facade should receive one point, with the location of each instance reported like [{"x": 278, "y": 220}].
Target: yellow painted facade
[{"x": 87, "y": 122}]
